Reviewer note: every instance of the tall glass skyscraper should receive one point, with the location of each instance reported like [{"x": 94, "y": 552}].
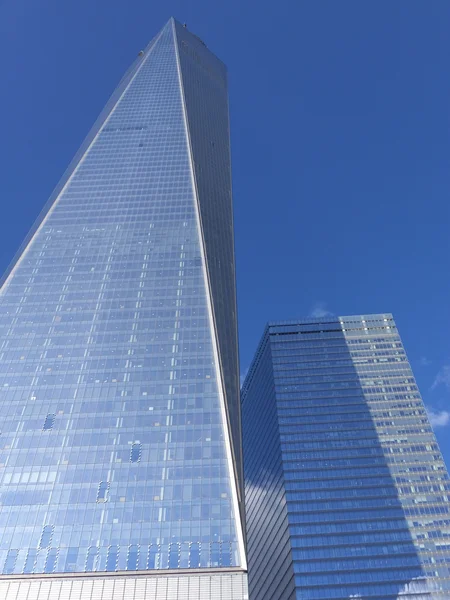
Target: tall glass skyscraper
[
  {"x": 120, "y": 437},
  {"x": 347, "y": 494}
]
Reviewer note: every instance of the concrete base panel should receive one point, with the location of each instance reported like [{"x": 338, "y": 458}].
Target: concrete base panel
[{"x": 196, "y": 586}]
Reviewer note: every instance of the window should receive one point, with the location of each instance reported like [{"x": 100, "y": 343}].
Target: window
[
  {"x": 102, "y": 494},
  {"x": 136, "y": 450},
  {"x": 49, "y": 421}
]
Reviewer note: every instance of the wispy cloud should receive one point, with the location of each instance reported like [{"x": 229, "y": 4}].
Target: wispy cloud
[
  {"x": 442, "y": 378},
  {"x": 320, "y": 310},
  {"x": 243, "y": 376},
  {"x": 425, "y": 362},
  {"x": 439, "y": 418}
]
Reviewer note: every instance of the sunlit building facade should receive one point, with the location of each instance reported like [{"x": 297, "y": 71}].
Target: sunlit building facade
[
  {"x": 347, "y": 493},
  {"x": 120, "y": 444}
]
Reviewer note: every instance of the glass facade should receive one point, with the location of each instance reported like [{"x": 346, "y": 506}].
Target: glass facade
[
  {"x": 120, "y": 437},
  {"x": 347, "y": 494}
]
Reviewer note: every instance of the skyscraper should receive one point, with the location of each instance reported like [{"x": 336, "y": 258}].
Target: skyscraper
[
  {"x": 120, "y": 441},
  {"x": 347, "y": 494}
]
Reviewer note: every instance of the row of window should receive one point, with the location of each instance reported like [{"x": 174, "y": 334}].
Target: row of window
[{"x": 115, "y": 558}]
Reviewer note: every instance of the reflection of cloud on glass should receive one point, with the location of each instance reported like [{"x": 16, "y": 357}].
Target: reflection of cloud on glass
[
  {"x": 419, "y": 586},
  {"x": 415, "y": 586},
  {"x": 439, "y": 418},
  {"x": 320, "y": 310},
  {"x": 442, "y": 378}
]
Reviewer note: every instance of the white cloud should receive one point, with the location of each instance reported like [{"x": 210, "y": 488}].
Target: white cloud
[
  {"x": 442, "y": 378},
  {"x": 438, "y": 418},
  {"x": 320, "y": 310},
  {"x": 424, "y": 361},
  {"x": 243, "y": 376}
]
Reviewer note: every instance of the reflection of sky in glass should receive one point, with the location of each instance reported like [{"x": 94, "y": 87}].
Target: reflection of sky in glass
[
  {"x": 113, "y": 450},
  {"x": 342, "y": 467}
]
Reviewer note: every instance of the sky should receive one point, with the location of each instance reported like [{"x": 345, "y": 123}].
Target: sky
[{"x": 340, "y": 144}]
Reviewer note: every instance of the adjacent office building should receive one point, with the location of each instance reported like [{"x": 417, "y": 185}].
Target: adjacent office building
[
  {"x": 120, "y": 445},
  {"x": 347, "y": 494}
]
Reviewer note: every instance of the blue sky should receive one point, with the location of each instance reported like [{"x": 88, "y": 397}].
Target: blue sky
[{"x": 340, "y": 139}]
